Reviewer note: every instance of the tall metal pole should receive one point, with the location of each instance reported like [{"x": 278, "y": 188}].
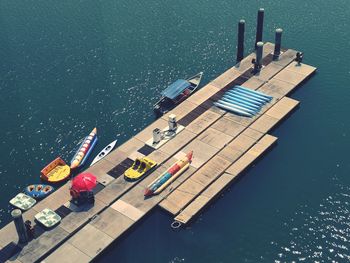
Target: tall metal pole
[
  {"x": 240, "y": 44},
  {"x": 259, "y": 26}
]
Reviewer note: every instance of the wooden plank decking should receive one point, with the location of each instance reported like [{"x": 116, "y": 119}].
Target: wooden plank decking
[{"x": 224, "y": 145}]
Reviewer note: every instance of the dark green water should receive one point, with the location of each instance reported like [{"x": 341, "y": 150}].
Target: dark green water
[{"x": 67, "y": 66}]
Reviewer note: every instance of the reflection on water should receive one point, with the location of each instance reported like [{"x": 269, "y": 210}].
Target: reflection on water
[
  {"x": 177, "y": 260},
  {"x": 324, "y": 232}
]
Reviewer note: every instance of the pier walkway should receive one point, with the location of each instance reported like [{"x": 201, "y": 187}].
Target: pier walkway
[{"x": 223, "y": 144}]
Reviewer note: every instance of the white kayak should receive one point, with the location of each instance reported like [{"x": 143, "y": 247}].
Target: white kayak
[{"x": 104, "y": 152}]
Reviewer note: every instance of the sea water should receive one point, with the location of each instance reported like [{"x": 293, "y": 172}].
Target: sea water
[{"x": 68, "y": 66}]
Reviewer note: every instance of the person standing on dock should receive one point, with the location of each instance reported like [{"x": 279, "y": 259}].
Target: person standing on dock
[{"x": 30, "y": 229}]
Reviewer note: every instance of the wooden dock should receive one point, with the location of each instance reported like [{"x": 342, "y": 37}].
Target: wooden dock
[{"x": 224, "y": 145}]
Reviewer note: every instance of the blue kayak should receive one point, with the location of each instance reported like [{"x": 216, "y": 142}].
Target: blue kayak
[
  {"x": 257, "y": 96},
  {"x": 253, "y": 91},
  {"x": 233, "y": 109},
  {"x": 230, "y": 104},
  {"x": 240, "y": 104},
  {"x": 242, "y": 97}
]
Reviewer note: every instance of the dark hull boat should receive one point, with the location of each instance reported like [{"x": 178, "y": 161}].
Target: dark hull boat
[{"x": 176, "y": 93}]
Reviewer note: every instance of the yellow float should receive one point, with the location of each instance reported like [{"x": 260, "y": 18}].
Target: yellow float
[{"x": 56, "y": 171}]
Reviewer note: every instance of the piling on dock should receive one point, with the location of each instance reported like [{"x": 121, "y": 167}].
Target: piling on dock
[
  {"x": 240, "y": 41},
  {"x": 19, "y": 224},
  {"x": 278, "y": 39},
  {"x": 259, "y": 26},
  {"x": 258, "y": 59}
]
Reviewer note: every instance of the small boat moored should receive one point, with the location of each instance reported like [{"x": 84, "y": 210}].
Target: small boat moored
[
  {"x": 177, "y": 92},
  {"x": 38, "y": 191},
  {"x": 56, "y": 171},
  {"x": 104, "y": 152}
]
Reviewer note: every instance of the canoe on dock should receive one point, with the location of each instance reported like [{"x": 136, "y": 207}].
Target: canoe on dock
[
  {"x": 243, "y": 101},
  {"x": 104, "y": 152},
  {"x": 233, "y": 109}
]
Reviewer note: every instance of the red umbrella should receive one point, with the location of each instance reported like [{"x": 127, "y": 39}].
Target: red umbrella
[{"x": 84, "y": 182}]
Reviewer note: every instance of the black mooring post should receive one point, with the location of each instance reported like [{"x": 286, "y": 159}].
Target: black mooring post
[
  {"x": 278, "y": 38},
  {"x": 259, "y": 26},
  {"x": 258, "y": 60},
  {"x": 19, "y": 224},
  {"x": 240, "y": 44}
]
